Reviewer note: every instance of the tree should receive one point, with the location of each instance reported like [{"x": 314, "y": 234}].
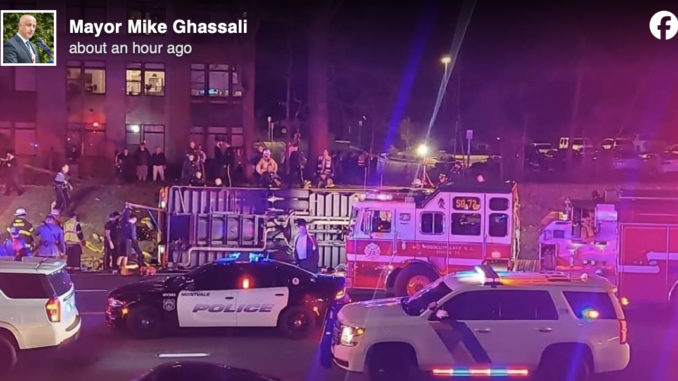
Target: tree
[
  {"x": 44, "y": 30},
  {"x": 405, "y": 130},
  {"x": 318, "y": 70}
]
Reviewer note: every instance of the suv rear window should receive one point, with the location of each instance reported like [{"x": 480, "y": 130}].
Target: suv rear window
[
  {"x": 25, "y": 286},
  {"x": 60, "y": 281},
  {"x": 581, "y": 301}
]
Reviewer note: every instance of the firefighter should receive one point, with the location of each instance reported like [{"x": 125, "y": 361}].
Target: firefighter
[
  {"x": 51, "y": 239},
  {"x": 25, "y": 228},
  {"x": 15, "y": 246},
  {"x": 61, "y": 188},
  {"x": 74, "y": 239},
  {"x": 306, "y": 249},
  {"x": 325, "y": 165}
]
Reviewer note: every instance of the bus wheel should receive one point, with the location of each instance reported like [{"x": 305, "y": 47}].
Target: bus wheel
[{"x": 413, "y": 278}]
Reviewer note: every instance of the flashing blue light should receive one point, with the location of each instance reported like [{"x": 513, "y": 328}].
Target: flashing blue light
[{"x": 235, "y": 256}]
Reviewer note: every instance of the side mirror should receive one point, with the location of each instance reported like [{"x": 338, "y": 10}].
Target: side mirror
[{"x": 442, "y": 314}]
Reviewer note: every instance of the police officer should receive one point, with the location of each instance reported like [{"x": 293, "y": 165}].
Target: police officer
[
  {"x": 111, "y": 232},
  {"x": 127, "y": 240},
  {"x": 74, "y": 238},
  {"x": 306, "y": 249},
  {"x": 15, "y": 246},
  {"x": 21, "y": 223},
  {"x": 61, "y": 187},
  {"x": 51, "y": 239},
  {"x": 13, "y": 181}
]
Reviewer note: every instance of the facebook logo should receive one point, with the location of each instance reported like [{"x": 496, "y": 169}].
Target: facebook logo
[{"x": 664, "y": 25}]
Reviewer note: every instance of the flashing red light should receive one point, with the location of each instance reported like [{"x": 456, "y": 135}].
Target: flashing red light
[
  {"x": 53, "y": 309},
  {"x": 246, "y": 283}
]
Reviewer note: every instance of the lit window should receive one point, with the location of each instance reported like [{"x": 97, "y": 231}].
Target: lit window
[{"x": 146, "y": 77}]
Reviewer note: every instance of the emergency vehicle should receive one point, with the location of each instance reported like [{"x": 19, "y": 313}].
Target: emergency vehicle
[
  {"x": 229, "y": 292},
  {"x": 484, "y": 324},
  {"x": 37, "y": 307},
  {"x": 627, "y": 236},
  {"x": 407, "y": 240}
]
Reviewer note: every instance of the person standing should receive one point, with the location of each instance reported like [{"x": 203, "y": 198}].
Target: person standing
[
  {"x": 74, "y": 239},
  {"x": 61, "y": 187},
  {"x": 111, "y": 236},
  {"x": 159, "y": 163},
  {"x": 229, "y": 163},
  {"x": 219, "y": 159},
  {"x": 51, "y": 239},
  {"x": 306, "y": 249},
  {"x": 13, "y": 180},
  {"x": 128, "y": 239},
  {"x": 19, "y": 49},
  {"x": 15, "y": 246},
  {"x": 143, "y": 158}
]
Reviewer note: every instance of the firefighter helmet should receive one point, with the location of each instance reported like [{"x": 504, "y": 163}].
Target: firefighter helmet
[{"x": 20, "y": 212}]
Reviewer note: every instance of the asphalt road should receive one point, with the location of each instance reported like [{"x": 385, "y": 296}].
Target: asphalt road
[{"x": 103, "y": 354}]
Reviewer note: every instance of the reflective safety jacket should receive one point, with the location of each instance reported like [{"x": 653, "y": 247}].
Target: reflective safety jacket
[
  {"x": 25, "y": 228},
  {"x": 73, "y": 234}
]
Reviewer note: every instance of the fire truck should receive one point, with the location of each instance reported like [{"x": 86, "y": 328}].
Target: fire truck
[
  {"x": 628, "y": 236},
  {"x": 403, "y": 241}
]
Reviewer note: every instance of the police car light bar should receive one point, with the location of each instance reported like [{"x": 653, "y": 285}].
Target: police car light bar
[
  {"x": 376, "y": 196},
  {"x": 488, "y": 275},
  {"x": 481, "y": 372}
]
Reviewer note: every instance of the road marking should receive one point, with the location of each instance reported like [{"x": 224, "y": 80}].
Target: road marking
[
  {"x": 180, "y": 355},
  {"x": 91, "y": 290}
]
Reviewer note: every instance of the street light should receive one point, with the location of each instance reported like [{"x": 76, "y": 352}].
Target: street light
[
  {"x": 422, "y": 150},
  {"x": 446, "y": 60}
]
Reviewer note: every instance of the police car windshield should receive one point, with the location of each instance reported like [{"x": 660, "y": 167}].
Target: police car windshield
[{"x": 419, "y": 302}]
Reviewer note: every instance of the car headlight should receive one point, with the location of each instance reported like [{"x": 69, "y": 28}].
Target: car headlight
[
  {"x": 113, "y": 302},
  {"x": 348, "y": 334}
]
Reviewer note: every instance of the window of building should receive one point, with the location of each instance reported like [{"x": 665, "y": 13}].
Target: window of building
[
  {"x": 146, "y": 10},
  {"x": 466, "y": 224},
  {"x": 25, "y": 138},
  {"x": 146, "y": 77},
  {"x": 6, "y": 137},
  {"x": 499, "y": 224},
  {"x": 151, "y": 134},
  {"x": 207, "y": 136},
  {"x": 94, "y": 140},
  {"x": 85, "y": 77},
  {"x": 93, "y": 11},
  {"x": 432, "y": 223},
  {"x": 377, "y": 221},
  {"x": 18, "y": 5},
  {"x": 215, "y": 81}
]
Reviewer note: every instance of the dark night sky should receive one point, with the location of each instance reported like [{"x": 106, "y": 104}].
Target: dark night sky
[{"x": 628, "y": 75}]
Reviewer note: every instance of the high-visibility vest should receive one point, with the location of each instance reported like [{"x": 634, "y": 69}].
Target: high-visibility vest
[{"x": 71, "y": 232}]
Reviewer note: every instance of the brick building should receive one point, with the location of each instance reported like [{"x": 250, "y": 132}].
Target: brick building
[{"x": 101, "y": 103}]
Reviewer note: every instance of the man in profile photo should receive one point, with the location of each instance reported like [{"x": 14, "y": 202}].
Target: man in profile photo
[{"x": 19, "y": 49}]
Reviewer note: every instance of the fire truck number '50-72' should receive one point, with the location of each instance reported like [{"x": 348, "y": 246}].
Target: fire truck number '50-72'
[{"x": 406, "y": 241}]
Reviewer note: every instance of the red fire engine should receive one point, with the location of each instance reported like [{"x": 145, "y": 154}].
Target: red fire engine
[
  {"x": 406, "y": 241},
  {"x": 630, "y": 237}
]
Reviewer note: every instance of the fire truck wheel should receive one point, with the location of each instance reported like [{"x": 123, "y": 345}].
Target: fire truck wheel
[{"x": 412, "y": 279}]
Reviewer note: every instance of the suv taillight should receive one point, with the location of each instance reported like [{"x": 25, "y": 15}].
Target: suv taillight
[
  {"x": 53, "y": 309},
  {"x": 623, "y": 332}
]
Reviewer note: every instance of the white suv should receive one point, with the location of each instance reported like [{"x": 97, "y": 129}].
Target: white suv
[
  {"x": 37, "y": 307},
  {"x": 484, "y": 323}
]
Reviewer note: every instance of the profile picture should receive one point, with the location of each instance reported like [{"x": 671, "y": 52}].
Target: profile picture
[{"x": 28, "y": 38}]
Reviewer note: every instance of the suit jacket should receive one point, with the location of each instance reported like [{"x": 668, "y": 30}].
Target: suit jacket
[{"x": 15, "y": 51}]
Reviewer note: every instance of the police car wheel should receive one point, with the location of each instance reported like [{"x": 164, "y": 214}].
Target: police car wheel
[
  {"x": 412, "y": 279},
  {"x": 296, "y": 323},
  {"x": 8, "y": 356},
  {"x": 564, "y": 365},
  {"x": 392, "y": 364},
  {"x": 144, "y": 323}
]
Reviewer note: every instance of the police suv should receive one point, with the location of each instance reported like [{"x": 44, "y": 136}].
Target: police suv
[
  {"x": 228, "y": 293},
  {"x": 37, "y": 307},
  {"x": 482, "y": 323}
]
